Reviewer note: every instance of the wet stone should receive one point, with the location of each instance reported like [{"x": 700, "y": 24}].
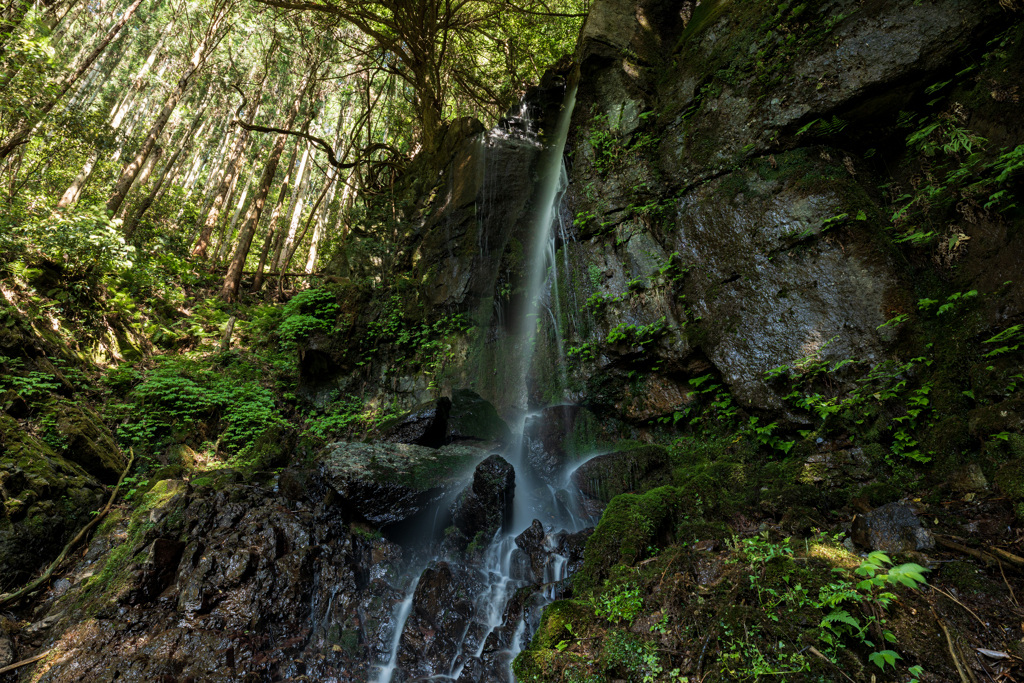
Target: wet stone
[
  {"x": 424, "y": 425},
  {"x": 633, "y": 471},
  {"x": 486, "y": 505},
  {"x": 891, "y": 528}
]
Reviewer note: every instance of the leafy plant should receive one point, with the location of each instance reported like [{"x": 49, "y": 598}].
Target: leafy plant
[{"x": 621, "y": 603}]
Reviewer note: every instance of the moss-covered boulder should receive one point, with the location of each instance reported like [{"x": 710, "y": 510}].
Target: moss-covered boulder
[
  {"x": 89, "y": 442},
  {"x": 631, "y": 527},
  {"x": 472, "y": 418}
]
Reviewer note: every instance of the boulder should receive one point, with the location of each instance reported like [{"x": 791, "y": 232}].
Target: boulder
[
  {"x": 531, "y": 544},
  {"x": 557, "y": 436},
  {"x": 486, "y": 505},
  {"x": 424, "y": 425},
  {"x": 386, "y": 483},
  {"x": 472, "y": 418},
  {"x": 633, "y": 471},
  {"x": 34, "y": 525},
  {"x": 571, "y": 547},
  {"x": 6, "y": 650},
  {"x": 891, "y": 528}
]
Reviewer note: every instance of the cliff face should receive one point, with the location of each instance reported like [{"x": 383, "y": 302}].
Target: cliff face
[{"x": 751, "y": 185}]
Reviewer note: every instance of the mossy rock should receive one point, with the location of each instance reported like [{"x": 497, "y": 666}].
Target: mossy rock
[
  {"x": 636, "y": 470},
  {"x": 629, "y": 526},
  {"x": 89, "y": 442},
  {"x": 471, "y": 418},
  {"x": 47, "y": 498},
  {"x": 1010, "y": 480},
  {"x": 541, "y": 660}
]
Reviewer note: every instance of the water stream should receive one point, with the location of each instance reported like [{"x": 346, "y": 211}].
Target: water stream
[{"x": 504, "y": 569}]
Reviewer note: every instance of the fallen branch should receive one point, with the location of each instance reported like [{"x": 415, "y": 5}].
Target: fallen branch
[
  {"x": 18, "y": 665},
  {"x": 814, "y": 651},
  {"x": 976, "y": 554},
  {"x": 1009, "y": 557},
  {"x": 11, "y": 597}
]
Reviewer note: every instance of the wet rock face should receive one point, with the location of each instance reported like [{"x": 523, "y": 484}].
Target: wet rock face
[
  {"x": 387, "y": 483},
  {"x": 891, "y": 528},
  {"x": 633, "y": 471},
  {"x": 486, "y": 504},
  {"x": 265, "y": 589},
  {"x": 424, "y": 425},
  {"x": 441, "y": 609},
  {"x": 546, "y": 441},
  {"x": 531, "y": 543}
]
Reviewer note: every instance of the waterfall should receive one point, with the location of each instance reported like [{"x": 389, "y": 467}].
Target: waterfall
[{"x": 501, "y": 572}]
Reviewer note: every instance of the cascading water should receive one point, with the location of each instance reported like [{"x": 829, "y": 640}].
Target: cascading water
[{"x": 501, "y": 571}]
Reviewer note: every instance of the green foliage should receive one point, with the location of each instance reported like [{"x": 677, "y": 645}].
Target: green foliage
[
  {"x": 621, "y": 603},
  {"x": 85, "y": 239},
  {"x": 177, "y": 395},
  {"x": 636, "y": 335},
  {"x": 32, "y": 386},
  {"x": 308, "y": 312}
]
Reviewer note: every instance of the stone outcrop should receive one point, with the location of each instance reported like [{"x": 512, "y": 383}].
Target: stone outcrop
[
  {"x": 424, "y": 425},
  {"x": 390, "y": 482}
]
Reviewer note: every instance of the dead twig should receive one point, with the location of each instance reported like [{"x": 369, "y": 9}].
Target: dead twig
[
  {"x": 18, "y": 665},
  {"x": 961, "y": 604},
  {"x": 976, "y": 554},
  {"x": 966, "y": 675},
  {"x": 814, "y": 651},
  {"x": 1008, "y": 586}
]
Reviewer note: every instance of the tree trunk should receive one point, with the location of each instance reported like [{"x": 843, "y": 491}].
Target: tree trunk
[
  {"x": 229, "y": 179},
  {"x": 291, "y": 252},
  {"x": 274, "y": 218},
  {"x": 252, "y": 217},
  {"x": 147, "y": 170},
  {"x": 21, "y": 135},
  {"x": 229, "y": 230},
  {"x": 131, "y": 170},
  {"x": 72, "y": 194},
  {"x": 295, "y": 208},
  {"x": 167, "y": 175},
  {"x": 121, "y": 109}
]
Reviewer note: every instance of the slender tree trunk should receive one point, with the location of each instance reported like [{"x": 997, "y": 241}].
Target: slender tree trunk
[
  {"x": 167, "y": 175},
  {"x": 21, "y": 135},
  {"x": 252, "y": 217},
  {"x": 230, "y": 177},
  {"x": 274, "y": 218},
  {"x": 72, "y": 194},
  {"x": 147, "y": 170},
  {"x": 222, "y": 250},
  {"x": 131, "y": 170},
  {"x": 295, "y": 247},
  {"x": 139, "y": 81},
  {"x": 295, "y": 208}
]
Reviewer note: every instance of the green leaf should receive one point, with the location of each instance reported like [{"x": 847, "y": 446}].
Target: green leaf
[{"x": 883, "y": 657}]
